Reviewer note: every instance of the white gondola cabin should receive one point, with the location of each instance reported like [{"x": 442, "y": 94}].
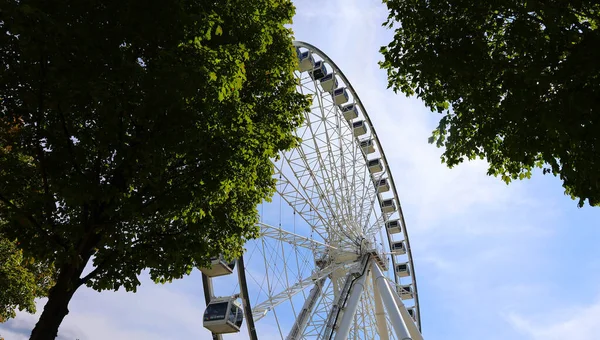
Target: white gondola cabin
[
  {"x": 398, "y": 248},
  {"x": 223, "y": 315},
  {"x": 375, "y": 165},
  {"x": 402, "y": 269},
  {"x": 340, "y": 96},
  {"x": 393, "y": 227},
  {"x": 319, "y": 71},
  {"x": 306, "y": 61},
  {"x": 382, "y": 185},
  {"x": 219, "y": 267},
  {"x": 359, "y": 128},
  {"x": 350, "y": 112},
  {"x": 413, "y": 313},
  {"x": 329, "y": 82},
  {"x": 367, "y": 146},
  {"x": 388, "y": 206},
  {"x": 405, "y": 292}
]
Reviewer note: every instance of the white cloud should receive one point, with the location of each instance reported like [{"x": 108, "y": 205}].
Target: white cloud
[
  {"x": 168, "y": 311},
  {"x": 573, "y": 323}
]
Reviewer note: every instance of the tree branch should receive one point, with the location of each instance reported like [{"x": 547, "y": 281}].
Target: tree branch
[{"x": 96, "y": 270}]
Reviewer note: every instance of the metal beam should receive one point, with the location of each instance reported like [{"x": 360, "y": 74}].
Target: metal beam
[
  {"x": 413, "y": 330},
  {"x": 306, "y": 312},
  {"x": 390, "y": 304},
  {"x": 382, "y": 328},
  {"x": 351, "y": 305},
  {"x": 261, "y": 310},
  {"x": 289, "y": 237},
  {"x": 246, "y": 299}
]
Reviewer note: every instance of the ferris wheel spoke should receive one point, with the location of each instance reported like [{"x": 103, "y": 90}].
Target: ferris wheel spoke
[
  {"x": 282, "y": 263},
  {"x": 322, "y": 178},
  {"x": 284, "y": 235},
  {"x": 260, "y": 310},
  {"x": 299, "y": 197},
  {"x": 308, "y": 191},
  {"x": 321, "y": 121},
  {"x": 329, "y": 136}
]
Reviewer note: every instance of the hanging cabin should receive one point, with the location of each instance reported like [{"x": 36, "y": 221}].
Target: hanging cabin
[
  {"x": 383, "y": 185},
  {"x": 398, "y": 248},
  {"x": 340, "y": 96},
  {"x": 306, "y": 61},
  {"x": 223, "y": 315},
  {"x": 329, "y": 82},
  {"x": 367, "y": 146},
  {"x": 349, "y": 111},
  {"x": 319, "y": 71},
  {"x": 388, "y": 206},
  {"x": 218, "y": 267},
  {"x": 359, "y": 128},
  {"x": 402, "y": 269},
  {"x": 393, "y": 227}
]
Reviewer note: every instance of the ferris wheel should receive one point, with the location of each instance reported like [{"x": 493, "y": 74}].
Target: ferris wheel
[{"x": 333, "y": 260}]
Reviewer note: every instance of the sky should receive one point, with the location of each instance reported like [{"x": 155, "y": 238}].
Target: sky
[{"x": 492, "y": 261}]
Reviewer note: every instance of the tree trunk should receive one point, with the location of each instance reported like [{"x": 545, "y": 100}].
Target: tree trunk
[{"x": 59, "y": 296}]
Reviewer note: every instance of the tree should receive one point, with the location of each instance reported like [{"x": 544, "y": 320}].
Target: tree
[
  {"x": 137, "y": 135},
  {"x": 21, "y": 280},
  {"x": 518, "y": 83}
]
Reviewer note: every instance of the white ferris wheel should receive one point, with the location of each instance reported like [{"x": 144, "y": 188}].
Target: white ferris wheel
[{"x": 333, "y": 260}]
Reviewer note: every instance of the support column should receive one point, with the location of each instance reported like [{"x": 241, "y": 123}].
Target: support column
[
  {"x": 410, "y": 323},
  {"x": 245, "y": 299},
  {"x": 303, "y": 317},
  {"x": 379, "y": 313},
  {"x": 390, "y": 304},
  {"x": 351, "y": 306}
]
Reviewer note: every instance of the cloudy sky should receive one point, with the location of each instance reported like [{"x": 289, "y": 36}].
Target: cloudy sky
[{"x": 492, "y": 261}]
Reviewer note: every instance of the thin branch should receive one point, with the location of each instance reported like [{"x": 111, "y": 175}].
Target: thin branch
[{"x": 96, "y": 270}]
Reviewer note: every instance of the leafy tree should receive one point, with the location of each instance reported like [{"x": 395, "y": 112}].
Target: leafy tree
[
  {"x": 137, "y": 135},
  {"x": 522, "y": 79},
  {"x": 21, "y": 280}
]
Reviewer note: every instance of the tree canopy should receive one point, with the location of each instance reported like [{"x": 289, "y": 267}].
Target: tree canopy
[
  {"x": 517, "y": 82},
  {"x": 137, "y": 135},
  {"x": 21, "y": 280}
]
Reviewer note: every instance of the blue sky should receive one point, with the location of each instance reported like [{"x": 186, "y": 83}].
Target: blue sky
[{"x": 492, "y": 261}]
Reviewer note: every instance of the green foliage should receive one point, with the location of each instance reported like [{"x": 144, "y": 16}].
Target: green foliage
[
  {"x": 140, "y": 135},
  {"x": 21, "y": 280},
  {"x": 522, "y": 79}
]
